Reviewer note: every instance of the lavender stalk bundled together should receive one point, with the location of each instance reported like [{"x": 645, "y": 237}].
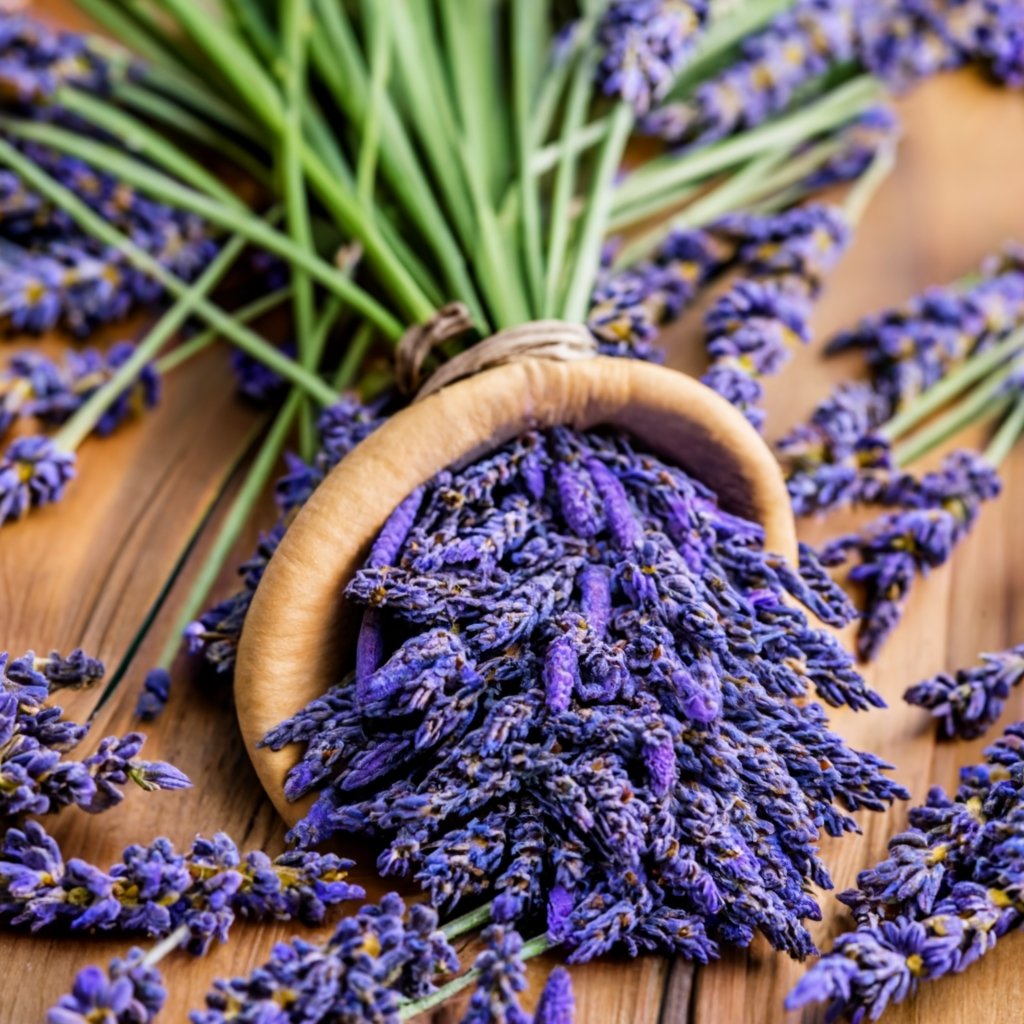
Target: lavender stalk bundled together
[
  {"x": 576, "y": 688},
  {"x": 949, "y": 890}
]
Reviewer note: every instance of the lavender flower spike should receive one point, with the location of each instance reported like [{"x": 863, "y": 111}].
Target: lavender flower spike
[
  {"x": 129, "y": 992},
  {"x": 969, "y": 702},
  {"x": 557, "y": 1005},
  {"x": 33, "y": 473}
]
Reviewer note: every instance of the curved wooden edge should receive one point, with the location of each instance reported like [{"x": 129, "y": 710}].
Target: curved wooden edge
[{"x": 297, "y": 635}]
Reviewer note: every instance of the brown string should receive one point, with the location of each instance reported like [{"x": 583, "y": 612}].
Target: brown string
[{"x": 538, "y": 339}]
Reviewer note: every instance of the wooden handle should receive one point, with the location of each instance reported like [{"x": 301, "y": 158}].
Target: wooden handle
[{"x": 299, "y": 633}]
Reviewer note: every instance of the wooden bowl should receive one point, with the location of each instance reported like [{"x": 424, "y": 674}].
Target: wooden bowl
[{"x": 299, "y": 634}]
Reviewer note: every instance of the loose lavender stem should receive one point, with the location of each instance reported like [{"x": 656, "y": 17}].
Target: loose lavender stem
[
  {"x": 204, "y": 339},
  {"x": 982, "y": 403},
  {"x": 467, "y": 922},
  {"x": 861, "y": 194},
  {"x": 535, "y": 946},
  {"x": 930, "y": 401},
  {"x": 166, "y": 945},
  {"x": 81, "y": 424},
  {"x": 1006, "y": 437},
  {"x": 94, "y": 224}
]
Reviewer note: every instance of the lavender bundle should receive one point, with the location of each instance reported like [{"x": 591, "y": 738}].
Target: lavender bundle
[
  {"x": 559, "y": 643},
  {"x": 949, "y": 890}
]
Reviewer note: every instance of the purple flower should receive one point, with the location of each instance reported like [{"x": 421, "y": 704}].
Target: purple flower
[
  {"x": 969, "y": 702},
  {"x": 128, "y": 992},
  {"x": 755, "y": 326},
  {"x": 33, "y": 473},
  {"x": 738, "y": 386},
  {"x": 899, "y": 546},
  {"x": 862, "y": 140},
  {"x": 556, "y": 1005},
  {"x": 502, "y": 976},
  {"x": 582, "y": 696},
  {"x": 645, "y": 43},
  {"x": 254, "y": 379}
]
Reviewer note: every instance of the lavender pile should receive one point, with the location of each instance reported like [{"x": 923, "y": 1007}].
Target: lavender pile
[
  {"x": 949, "y": 890},
  {"x": 577, "y": 689}
]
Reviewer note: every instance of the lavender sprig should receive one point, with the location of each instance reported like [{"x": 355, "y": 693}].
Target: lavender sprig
[
  {"x": 967, "y": 703},
  {"x": 128, "y": 992},
  {"x": 949, "y": 890},
  {"x": 154, "y": 890}
]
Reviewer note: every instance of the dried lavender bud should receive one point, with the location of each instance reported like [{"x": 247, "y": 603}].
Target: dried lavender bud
[
  {"x": 863, "y": 139},
  {"x": 574, "y": 641},
  {"x": 374, "y": 960},
  {"x": 969, "y": 702},
  {"x": 128, "y": 992},
  {"x": 737, "y": 385},
  {"x": 502, "y": 976},
  {"x": 33, "y": 473},
  {"x": 645, "y": 43},
  {"x": 948, "y": 891},
  {"x": 155, "y": 692},
  {"x": 910, "y": 348},
  {"x": 556, "y": 1005}
]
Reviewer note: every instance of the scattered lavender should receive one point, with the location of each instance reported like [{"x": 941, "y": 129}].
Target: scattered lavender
[
  {"x": 899, "y": 41},
  {"x": 967, "y": 703},
  {"x": 899, "y": 546},
  {"x": 556, "y": 1005},
  {"x": 375, "y": 960},
  {"x": 155, "y": 890},
  {"x": 751, "y": 330},
  {"x": 950, "y": 888},
  {"x": 128, "y": 992},
  {"x": 33, "y": 473},
  {"x": 862, "y": 140},
  {"x": 33, "y": 385},
  {"x": 797, "y": 46},
  {"x": 35, "y": 776},
  {"x": 911, "y": 347},
  {"x": 254, "y": 380},
  {"x": 586, "y": 699},
  {"x": 628, "y": 307},
  {"x": 645, "y": 43},
  {"x": 342, "y": 426}
]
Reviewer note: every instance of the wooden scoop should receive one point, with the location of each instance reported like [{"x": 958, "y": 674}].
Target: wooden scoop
[{"x": 299, "y": 633}]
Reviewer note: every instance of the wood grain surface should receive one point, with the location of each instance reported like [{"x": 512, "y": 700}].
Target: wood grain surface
[{"x": 88, "y": 571}]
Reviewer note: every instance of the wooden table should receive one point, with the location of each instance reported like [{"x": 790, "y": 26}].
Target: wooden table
[{"x": 87, "y": 572}]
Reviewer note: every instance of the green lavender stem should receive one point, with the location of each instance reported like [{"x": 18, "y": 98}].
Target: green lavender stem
[
  {"x": 81, "y": 424},
  {"x": 534, "y": 947},
  {"x": 245, "y": 314},
  {"x": 663, "y": 175},
  {"x": 468, "y": 922},
  {"x": 981, "y": 404},
  {"x": 257, "y": 477},
  {"x": 973, "y": 369},
  {"x": 92, "y": 223},
  {"x": 166, "y": 945},
  {"x": 1007, "y": 434},
  {"x": 863, "y": 191}
]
